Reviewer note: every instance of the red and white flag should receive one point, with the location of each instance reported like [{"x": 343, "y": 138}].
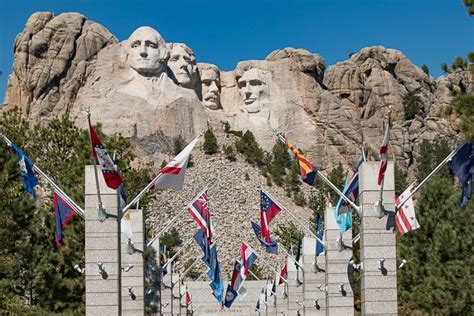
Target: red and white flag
[
  {"x": 172, "y": 175},
  {"x": 111, "y": 176},
  {"x": 405, "y": 218},
  {"x": 383, "y": 155},
  {"x": 188, "y": 297},
  {"x": 199, "y": 210},
  {"x": 284, "y": 272}
]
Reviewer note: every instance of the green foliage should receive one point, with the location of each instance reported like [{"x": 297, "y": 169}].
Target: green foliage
[
  {"x": 425, "y": 69},
  {"x": 288, "y": 234},
  {"x": 248, "y": 146},
  {"x": 226, "y": 127},
  {"x": 470, "y": 7},
  {"x": 257, "y": 270},
  {"x": 460, "y": 64},
  {"x": 336, "y": 176},
  {"x": 171, "y": 240},
  {"x": 32, "y": 270},
  {"x": 438, "y": 277},
  {"x": 317, "y": 203},
  {"x": 412, "y": 104},
  {"x": 178, "y": 145},
  {"x": 246, "y": 176},
  {"x": 463, "y": 105},
  {"x": 277, "y": 162},
  {"x": 229, "y": 152},
  {"x": 299, "y": 199},
  {"x": 400, "y": 180},
  {"x": 192, "y": 273},
  {"x": 431, "y": 154},
  {"x": 210, "y": 145}
]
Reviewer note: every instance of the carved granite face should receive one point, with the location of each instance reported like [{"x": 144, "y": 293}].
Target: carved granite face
[
  {"x": 211, "y": 89},
  {"x": 252, "y": 89},
  {"x": 147, "y": 52},
  {"x": 182, "y": 63}
]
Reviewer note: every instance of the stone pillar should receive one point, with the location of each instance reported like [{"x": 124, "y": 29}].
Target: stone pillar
[
  {"x": 337, "y": 268},
  {"x": 132, "y": 268},
  {"x": 101, "y": 245},
  {"x": 295, "y": 288},
  {"x": 313, "y": 275},
  {"x": 377, "y": 241}
]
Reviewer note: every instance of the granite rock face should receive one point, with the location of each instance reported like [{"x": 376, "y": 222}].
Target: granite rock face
[
  {"x": 66, "y": 64},
  {"x": 51, "y": 62}
]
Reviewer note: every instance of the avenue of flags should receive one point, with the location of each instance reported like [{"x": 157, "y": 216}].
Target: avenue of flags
[{"x": 460, "y": 161}]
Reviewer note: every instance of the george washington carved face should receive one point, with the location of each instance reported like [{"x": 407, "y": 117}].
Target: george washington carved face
[{"x": 147, "y": 52}]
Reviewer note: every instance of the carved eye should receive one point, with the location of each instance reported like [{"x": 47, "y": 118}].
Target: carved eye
[
  {"x": 206, "y": 83},
  {"x": 255, "y": 82},
  {"x": 174, "y": 58},
  {"x": 153, "y": 45},
  {"x": 136, "y": 44}
]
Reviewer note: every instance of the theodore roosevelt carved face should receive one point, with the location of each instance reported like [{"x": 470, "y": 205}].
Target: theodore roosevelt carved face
[
  {"x": 147, "y": 52},
  {"x": 210, "y": 86}
]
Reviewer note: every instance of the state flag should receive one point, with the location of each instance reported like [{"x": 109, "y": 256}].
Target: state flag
[
  {"x": 405, "y": 219},
  {"x": 269, "y": 209},
  {"x": 307, "y": 171},
  {"x": 383, "y": 152},
  {"x": 462, "y": 167},
  {"x": 63, "y": 213},
  {"x": 26, "y": 168},
  {"x": 172, "y": 175}
]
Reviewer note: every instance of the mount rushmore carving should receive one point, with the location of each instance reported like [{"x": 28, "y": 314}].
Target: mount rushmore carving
[{"x": 151, "y": 91}]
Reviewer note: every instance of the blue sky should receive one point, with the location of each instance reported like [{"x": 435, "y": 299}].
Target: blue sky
[{"x": 225, "y": 32}]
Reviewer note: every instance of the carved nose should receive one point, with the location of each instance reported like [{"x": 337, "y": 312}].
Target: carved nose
[
  {"x": 248, "y": 94},
  {"x": 143, "y": 54},
  {"x": 213, "y": 87}
]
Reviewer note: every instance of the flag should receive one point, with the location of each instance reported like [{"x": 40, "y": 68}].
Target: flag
[
  {"x": 214, "y": 274},
  {"x": 188, "y": 297},
  {"x": 125, "y": 223},
  {"x": 405, "y": 220},
  {"x": 307, "y": 171},
  {"x": 233, "y": 286},
  {"x": 344, "y": 220},
  {"x": 351, "y": 192},
  {"x": 284, "y": 272},
  {"x": 172, "y": 175},
  {"x": 26, "y": 167},
  {"x": 461, "y": 165},
  {"x": 247, "y": 258},
  {"x": 268, "y": 210},
  {"x": 109, "y": 171},
  {"x": 257, "y": 307},
  {"x": 271, "y": 247},
  {"x": 199, "y": 210},
  {"x": 320, "y": 235},
  {"x": 203, "y": 243},
  {"x": 273, "y": 290},
  {"x": 63, "y": 213},
  {"x": 298, "y": 253},
  {"x": 383, "y": 155}
]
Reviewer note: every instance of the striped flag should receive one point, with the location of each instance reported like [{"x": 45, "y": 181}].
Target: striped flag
[
  {"x": 199, "y": 210},
  {"x": 405, "y": 220},
  {"x": 384, "y": 155},
  {"x": 63, "y": 213},
  {"x": 247, "y": 258},
  {"x": 172, "y": 175},
  {"x": 307, "y": 171},
  {"x": 109, "y": 171}
]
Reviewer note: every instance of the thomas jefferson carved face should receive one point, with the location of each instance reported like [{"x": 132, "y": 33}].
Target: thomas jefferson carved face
[
  {"x": 182, "y": 62},
  {"x": 211, "y": 88},
  {"x": 252, "y": 89},
  {"x": 147, "y": 52}
]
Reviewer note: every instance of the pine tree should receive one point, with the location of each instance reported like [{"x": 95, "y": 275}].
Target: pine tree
[
  {"x": 425, "y": 69},
  {"x": 210, "y": 145},
  {"x": 412, "y": 104},
  {"x": 288, "y": 234}
]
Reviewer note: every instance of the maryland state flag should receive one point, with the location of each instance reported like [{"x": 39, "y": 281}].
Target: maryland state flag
[
  {"x": 307, "y": 171},
  {"x": 63, "y": 213},
  {"x": 111, "y": 176}
]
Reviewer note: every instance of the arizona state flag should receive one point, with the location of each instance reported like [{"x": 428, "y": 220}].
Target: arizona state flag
[
  {"x": 63, "y": 213},
  {"x": 307, "y": 171},
  {"x": 111, "y": 176}
]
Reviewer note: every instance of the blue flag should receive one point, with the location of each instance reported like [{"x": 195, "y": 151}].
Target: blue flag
[
  {"x": 63, "y": 213},
  {"x": 201, "y": 239},
  {"x": 26, "y": 168},
  {"x": 214, "y": 274},
  {"x": 319, "y": 234},
  {"x": 344, "y": 220},
  {"x": 461, "y": 165},
  {"x": 270, "y": 247}
]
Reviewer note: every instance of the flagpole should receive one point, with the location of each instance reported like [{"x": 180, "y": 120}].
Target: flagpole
[
  {"x": 432, "y": 173},
  {"x": 102, "y": 214},
  {"x": 294, "y": 217},
  {"x": 175, "y": 217},
  {"x": 266, "y": 263},
  {"x": 177, "y": 252},
  {"x": 292, "y": 258},
  {"x": 79, "y": 211},
  {"x": 139, "y": 195},
  {"x": 328, "y": 182}
]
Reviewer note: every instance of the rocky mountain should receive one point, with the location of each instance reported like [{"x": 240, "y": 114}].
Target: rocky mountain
[{"x": 152, "y": 92}]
